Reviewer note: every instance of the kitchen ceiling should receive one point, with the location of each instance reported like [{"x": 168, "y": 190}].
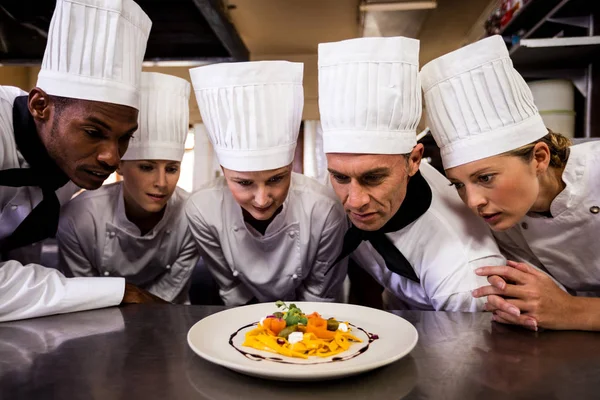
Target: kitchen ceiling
[{"x": 189, "y": 30}]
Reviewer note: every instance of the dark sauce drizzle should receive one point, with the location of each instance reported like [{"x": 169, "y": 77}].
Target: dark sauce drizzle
[{"x": 257, "y": 357}]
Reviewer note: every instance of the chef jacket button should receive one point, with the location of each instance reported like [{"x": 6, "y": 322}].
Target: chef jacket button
[
  {"x": 524, "y": 225},
  {"x": 292, "y": 234},
  {"x": 235, "y": 273},
  {"x": 112, "y": 234},
  {"x": 168, "y": 267},
  {"x": 294, "y": 276},
  {"x": 595, "y": 209},
  {"x": 168, "y": 232},
  {"x": 235, "y": 228},
  {"x": 106, "y": 273},
  {"x": 13, "y": 207}
]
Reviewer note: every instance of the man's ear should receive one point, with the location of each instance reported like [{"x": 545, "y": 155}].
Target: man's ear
[
  {"x": 40, "y": 105},
  {"x": 414, "y": 159}
]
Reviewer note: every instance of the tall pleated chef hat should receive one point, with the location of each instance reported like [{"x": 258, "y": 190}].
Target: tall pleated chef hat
[
  {"x": 95, "y": 51},
  {"x": 163, "y": 122},
  {"x": 369, "y": 95},
  {"x": 477, "y": 103},
  {"x": 252, "y": 111}
]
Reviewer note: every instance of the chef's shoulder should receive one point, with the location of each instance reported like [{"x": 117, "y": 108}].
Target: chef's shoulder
[
  {"x": 208, "y": 197},
  {"x": 313, "y": 195},
  {"x": 91, "y": 203},
  {"x": 8, "y": 147}
]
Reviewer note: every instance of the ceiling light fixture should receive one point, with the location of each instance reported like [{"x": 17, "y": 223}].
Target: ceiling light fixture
[{"x": 400, "y": 6}]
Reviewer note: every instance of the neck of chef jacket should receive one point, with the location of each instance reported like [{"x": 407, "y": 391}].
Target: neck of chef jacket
[{"x": 93, "y": 56}]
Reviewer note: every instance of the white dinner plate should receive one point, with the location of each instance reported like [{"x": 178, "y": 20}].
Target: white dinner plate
[{"x": 218, "y": 338}]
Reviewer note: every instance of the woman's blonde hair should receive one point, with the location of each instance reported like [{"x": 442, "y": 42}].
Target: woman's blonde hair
[{"x": 557, "y": 143}]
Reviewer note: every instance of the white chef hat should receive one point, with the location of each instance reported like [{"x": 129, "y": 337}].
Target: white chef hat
[
  {"x": 163, "y": 122},
  {"x": 252, "y": 111},
  {"x": 477, "y": 104},
  {"x": 95, "y": 51},
  {"x": 369, "y": 95}
]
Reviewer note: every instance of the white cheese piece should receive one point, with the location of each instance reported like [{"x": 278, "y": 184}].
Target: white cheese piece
[
  {"x": 295, "y": 337},
  {"x": 343, "y": 327}
]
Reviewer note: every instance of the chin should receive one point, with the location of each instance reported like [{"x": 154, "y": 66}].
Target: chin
[
  {"x": 503, "y": 225},
  {"x": 369, "y": 227},
  {"x": 260, "y": 216},
  {"x": 87, "y": 185},
  {"x": 153, "y": 208}
]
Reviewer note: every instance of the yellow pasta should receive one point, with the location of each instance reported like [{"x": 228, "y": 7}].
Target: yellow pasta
[{"x": 329, "y": 344}]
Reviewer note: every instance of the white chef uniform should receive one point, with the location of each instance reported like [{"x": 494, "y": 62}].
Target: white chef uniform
[
  {"x": 502, "y": 117},
  {"x": 96, "y": 238},
  {"x": 252, "y": 113},
  {"x": 370, "y": 103},
  {"x": 94, "y": 52}
]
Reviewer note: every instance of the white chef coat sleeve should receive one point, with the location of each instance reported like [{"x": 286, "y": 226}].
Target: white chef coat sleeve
[
  {"x": 321, "y": 285},
  {"x": 232, "y": 290},
  {"x": 72, "y": 240},
  {"x": 28, "y": 291},
  {"x": 173, "y": 284},
  {"x": 450, "y": 285}
]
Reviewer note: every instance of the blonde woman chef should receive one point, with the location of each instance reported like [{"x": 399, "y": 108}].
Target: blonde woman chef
[
  {"x": 264, "y": 232},
  {"x": 136, "y": 228},
  {"x": 539, "y": 196}
]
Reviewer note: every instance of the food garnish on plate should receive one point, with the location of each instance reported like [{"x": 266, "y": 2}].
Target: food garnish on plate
[{"x": 292, "y": 333}]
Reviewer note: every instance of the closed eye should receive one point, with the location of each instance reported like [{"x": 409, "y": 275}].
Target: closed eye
[
  {"x": 373, "y": 179},
  {"x": 146, "y": 167},
  {"x": 276, "y": 179},
  {"x": 94, "y": 133}
]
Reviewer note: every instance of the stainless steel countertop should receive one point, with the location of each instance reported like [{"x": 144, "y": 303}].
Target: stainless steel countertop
[{"x": 141, "y": 352}]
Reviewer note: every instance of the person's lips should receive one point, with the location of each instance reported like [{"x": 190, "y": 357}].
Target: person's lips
[
  {"x": 262, "y": 209},
  {"x": 156, "y": 196},
  {"x": 103, "y": 175},
  {"x": 490, "y": 218},
  {"x": 363, "y": 217}
]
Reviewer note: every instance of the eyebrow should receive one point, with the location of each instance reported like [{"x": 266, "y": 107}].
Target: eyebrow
[
  {"x": 479, "y": 171},
  {"x": 375, "y": 171},
  {"x": 99, "y": 122},
  {"x": 108, "y": 127},
  {"x": 277, "y": 175}
]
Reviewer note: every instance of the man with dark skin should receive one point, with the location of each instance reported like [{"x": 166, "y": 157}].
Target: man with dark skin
[{"x": 73, "y": 126}]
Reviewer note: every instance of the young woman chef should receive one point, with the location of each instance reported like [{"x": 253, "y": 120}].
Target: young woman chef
[
  {"x": 539, "y": 195},
  {"x": 264, "y": 232},
  {"x": 137, "y": 228}
]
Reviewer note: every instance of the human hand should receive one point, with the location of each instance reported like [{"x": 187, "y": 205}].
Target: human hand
[
  {"x": 525, "y": 296},
  {"x": 135, "y": 295}
]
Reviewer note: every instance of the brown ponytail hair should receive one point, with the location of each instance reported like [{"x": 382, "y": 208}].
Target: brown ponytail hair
[{"x": 557, "y": 143}]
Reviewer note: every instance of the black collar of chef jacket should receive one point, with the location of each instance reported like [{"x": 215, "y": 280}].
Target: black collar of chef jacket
[
  {"x": 415, "y": 204},
  {"x": 42, "y": 221},
  {"x": 47, "y": 174}
]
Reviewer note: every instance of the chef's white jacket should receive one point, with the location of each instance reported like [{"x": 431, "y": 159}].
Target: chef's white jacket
[
  {"x": 95, "y": 238},
  {"x": 289, "y": 261},
  {"x": 28, "y": 291},
  {"x": 444, "y": 246}
]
